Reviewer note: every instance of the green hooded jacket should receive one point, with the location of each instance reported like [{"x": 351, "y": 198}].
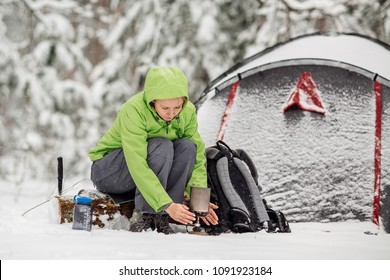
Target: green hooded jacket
[{"x": 137, "y": 121}]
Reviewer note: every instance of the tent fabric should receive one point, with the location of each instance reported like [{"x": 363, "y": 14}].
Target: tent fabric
[
  {"x": 229, "y": 104},
  {"x": 349, "y": 49},
  {"x": 305, "y": 95},
  {"x": 378, "y": 151}
]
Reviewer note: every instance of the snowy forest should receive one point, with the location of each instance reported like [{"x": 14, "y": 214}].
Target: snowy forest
[{"x": 66, "y": 66}]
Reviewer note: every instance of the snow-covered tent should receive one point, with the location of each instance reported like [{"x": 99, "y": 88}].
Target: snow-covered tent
[{"x": 314, "y": 113}]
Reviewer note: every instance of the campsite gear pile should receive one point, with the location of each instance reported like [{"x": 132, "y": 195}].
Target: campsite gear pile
[
  {"x": 232, "y": 186},
  {"x": 107, "y": 212}
]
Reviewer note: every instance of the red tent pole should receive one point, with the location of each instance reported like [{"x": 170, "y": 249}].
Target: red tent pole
[
  {"x": 229, "y": 104},
  {"x": 377, "y": 154}
]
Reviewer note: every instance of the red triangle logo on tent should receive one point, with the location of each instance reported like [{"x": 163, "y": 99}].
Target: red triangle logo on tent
[{"x": 305, "y": 95}]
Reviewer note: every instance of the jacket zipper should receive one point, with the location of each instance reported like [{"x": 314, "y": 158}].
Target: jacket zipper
[{"x": 167, "y": 127}]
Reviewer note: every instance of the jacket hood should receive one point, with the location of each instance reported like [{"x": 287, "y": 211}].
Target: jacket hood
[{"x": 165, "y": 83}]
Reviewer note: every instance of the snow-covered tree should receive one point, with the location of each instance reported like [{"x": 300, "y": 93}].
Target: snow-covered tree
[
  {"x": 47, "y": 102},
  {"x": 66, "y": 66}
]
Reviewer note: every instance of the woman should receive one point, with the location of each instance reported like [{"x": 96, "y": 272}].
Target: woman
[{"x": 155, "y": 148}]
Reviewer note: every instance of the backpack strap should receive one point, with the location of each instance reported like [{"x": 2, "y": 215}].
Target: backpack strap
[
  {"x": 277, "y": 222},
  {"x": 254, "y": 190},
  {"x": 227, "y": 187},
  {"x": 246, "y": 158},
  {"x": 222, "y": 146},
  {"x": 211, "y": 152}
]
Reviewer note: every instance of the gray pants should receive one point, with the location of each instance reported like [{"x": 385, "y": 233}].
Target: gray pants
[{"x": 171, "y": 161}]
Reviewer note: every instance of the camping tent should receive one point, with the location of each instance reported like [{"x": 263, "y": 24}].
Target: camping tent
[{"x": 314, "y": 114}]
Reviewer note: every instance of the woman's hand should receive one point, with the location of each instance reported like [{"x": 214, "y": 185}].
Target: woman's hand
[
  {"x": 211, "y": 217},
  {"x": 180, "y": 213}
]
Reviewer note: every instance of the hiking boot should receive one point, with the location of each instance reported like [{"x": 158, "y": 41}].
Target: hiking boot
[
  {"x": 142, "y": 222},
  {"x": 162, "y": 224}
]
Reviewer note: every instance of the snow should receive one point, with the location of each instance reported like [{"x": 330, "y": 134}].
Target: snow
[
  {"x": 33, "y": 237},
  {"x": 345, "y": 48},
  {"x": 47, "y": 245}
]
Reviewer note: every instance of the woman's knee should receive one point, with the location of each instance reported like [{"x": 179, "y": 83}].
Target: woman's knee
[
  {"x": 186, "y": 147},
  {"x": 160, "y": 146},
  {"x": 110, "y": 173}
]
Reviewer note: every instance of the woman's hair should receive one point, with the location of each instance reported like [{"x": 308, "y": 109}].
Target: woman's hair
[{"x": 152, "y": 102}]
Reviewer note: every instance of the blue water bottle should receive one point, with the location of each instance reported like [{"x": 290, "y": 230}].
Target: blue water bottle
[{"x": 82, "y": 213}]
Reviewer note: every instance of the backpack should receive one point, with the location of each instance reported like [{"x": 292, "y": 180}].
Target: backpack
[{"x": 233, "y": 180}]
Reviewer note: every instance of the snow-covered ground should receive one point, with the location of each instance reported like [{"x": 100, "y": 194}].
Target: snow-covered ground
[{"x": 33, "y": 237}]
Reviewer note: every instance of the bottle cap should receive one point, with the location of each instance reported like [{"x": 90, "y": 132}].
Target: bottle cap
[{"x": 82, "y": 199}]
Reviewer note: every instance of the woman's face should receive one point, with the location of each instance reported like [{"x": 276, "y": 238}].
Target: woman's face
[{"x": 168, "y": 109}]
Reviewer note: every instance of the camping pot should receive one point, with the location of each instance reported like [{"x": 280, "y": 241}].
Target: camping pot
[{"x": 199, "y": 200}]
